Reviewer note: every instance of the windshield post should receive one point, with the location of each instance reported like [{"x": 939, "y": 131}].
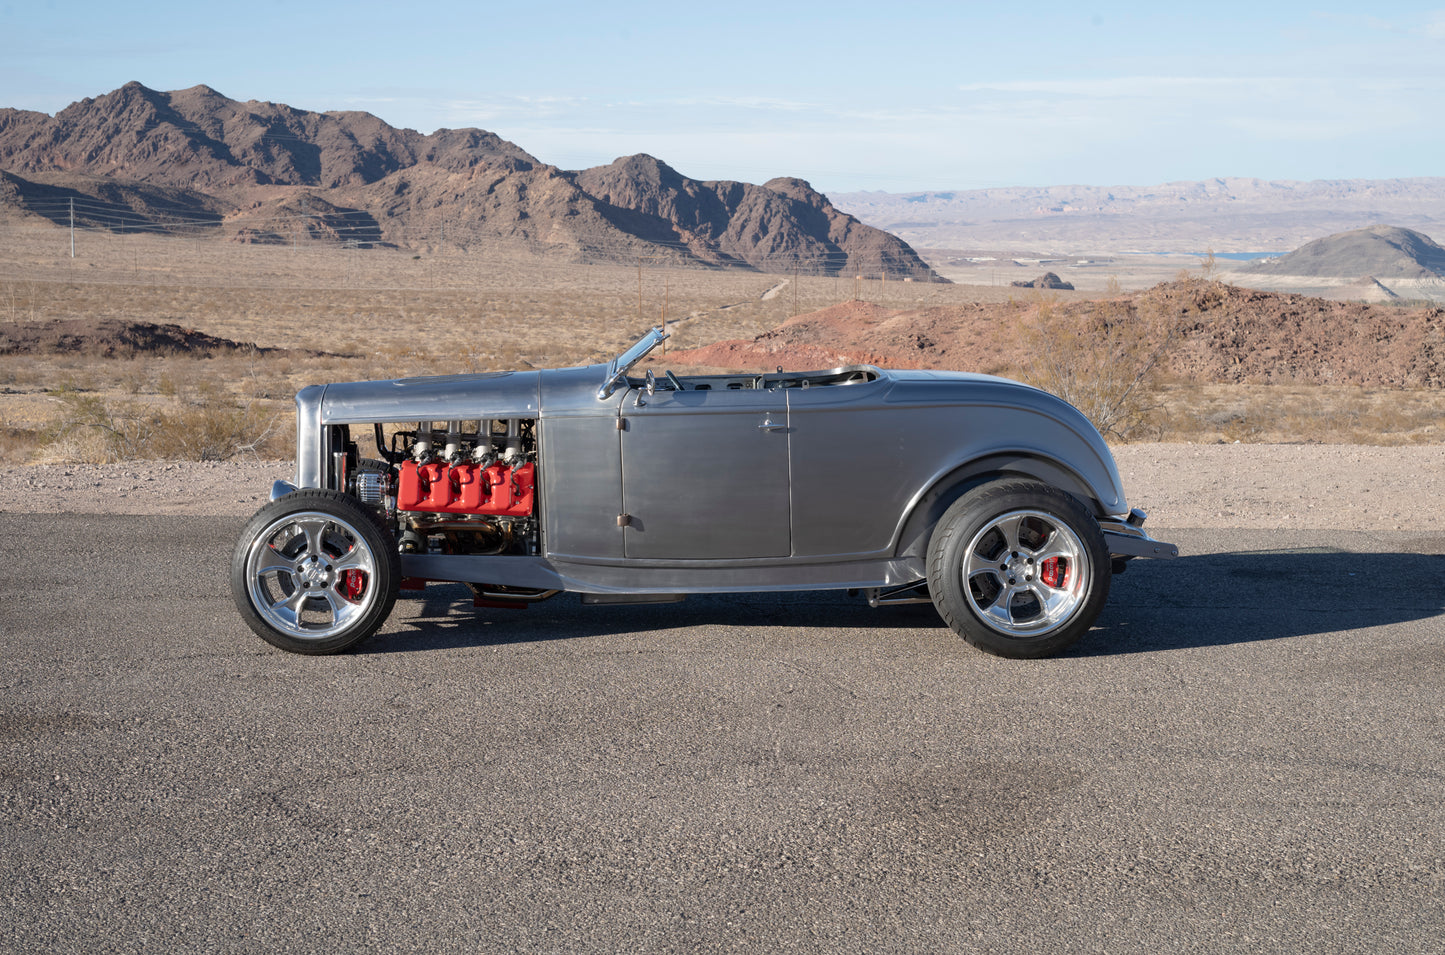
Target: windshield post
[{"x": 619, "y": 366}]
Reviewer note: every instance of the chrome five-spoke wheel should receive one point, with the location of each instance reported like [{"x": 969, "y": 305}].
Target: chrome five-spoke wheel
[
  {"x": 1018, "y": 568},
  {"x": 1025, "y": 572},
  {"x": 314, "y": 572},
  {"x": 310, "y": 574}
]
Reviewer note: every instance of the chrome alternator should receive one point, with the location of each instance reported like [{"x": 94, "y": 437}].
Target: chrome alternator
[{"x": 371, "y": 488}]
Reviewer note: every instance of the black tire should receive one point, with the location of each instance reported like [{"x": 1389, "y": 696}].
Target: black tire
[
  {"x": 315, "y": 572},
  {"x": 1018, "y": 568}
]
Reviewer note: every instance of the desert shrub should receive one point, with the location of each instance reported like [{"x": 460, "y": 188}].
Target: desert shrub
[
  {"x": 170, "y": 386},
  {"x": 1334, "y": 414},
  {"x": 92, "y": 430},
  {"x": 1102, "y": 359},
  {"x": 215, "y": 430},
  {"x": 21, "y": 301},
  {"x": 17, "y": 445}
]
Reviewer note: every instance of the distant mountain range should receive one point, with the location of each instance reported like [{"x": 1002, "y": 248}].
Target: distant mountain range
[
  {"x": 1227, "y": 215},
  {"x": 196, "y": 161}
]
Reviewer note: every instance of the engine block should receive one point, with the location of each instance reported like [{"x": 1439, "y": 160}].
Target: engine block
[{"x": 497, "y": 489}]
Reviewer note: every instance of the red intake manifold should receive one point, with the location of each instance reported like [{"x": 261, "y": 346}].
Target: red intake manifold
[{"x": 466, "y": 488}]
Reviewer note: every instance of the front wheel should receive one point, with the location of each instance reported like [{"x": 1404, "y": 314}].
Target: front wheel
[
  {"x": 1018, "y": 568},
  {"x": 315, "y": 572}
]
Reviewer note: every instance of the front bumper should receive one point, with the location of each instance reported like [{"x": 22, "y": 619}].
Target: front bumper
[{"x": 1127, "y": 538}]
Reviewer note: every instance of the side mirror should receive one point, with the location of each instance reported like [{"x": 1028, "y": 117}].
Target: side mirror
[{"x": 650, "y": 388}]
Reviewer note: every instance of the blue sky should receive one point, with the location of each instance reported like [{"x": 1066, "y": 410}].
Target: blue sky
[{"x": 850, "y": 96}]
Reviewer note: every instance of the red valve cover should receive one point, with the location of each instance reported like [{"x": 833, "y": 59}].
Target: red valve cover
[{"x": 466, "y": 488}]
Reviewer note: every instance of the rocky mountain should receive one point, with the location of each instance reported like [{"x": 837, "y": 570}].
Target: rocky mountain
[
  {"x": 265, "y": 172},
  {"x": 198, "y": 139},
  {"x": 772, "y": 227}
]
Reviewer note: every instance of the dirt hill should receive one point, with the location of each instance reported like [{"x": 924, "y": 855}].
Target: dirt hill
[
  {"x": 195, "y": 160},
  {"x": 1367, "y": 289},
  {"x": 1047, "y": 280},
  {"x": 1219, "y": 334},
  {"x": 1380, "y": 251},
  {"x": 116, "y": 338}
]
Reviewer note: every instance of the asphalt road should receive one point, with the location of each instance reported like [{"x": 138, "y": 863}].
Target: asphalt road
[{"x": 1244, "y": 756}]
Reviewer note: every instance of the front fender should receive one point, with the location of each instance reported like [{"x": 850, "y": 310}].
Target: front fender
[{"x": 928, "y": 506}]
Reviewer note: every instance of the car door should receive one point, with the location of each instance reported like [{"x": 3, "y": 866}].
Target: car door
[
  {"x": 705, "y": 474},
  {"x": 854, "y": 463}
]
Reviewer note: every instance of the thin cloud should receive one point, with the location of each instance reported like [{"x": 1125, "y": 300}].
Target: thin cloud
[
  {"x": 1430, "y": 24},
  {"x": 762, "y": 103},
  {"x": 1142, "y": 87}
]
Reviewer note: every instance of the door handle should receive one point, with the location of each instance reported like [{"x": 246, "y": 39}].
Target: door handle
[{"x": 770, "y": 425}]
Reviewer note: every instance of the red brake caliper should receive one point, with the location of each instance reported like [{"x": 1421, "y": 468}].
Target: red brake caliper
[
  {"x": 1054, "y": 572},
  {"x": 352, "y": 584}
]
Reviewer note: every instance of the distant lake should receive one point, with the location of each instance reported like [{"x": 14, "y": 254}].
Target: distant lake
[{"x": 1234, "y": 256}]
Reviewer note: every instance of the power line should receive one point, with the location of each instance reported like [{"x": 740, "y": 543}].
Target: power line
[{"x": 350, "y": 227}]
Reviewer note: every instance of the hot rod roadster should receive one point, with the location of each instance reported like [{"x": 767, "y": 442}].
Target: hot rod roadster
[{"x": 997, "y": 502}]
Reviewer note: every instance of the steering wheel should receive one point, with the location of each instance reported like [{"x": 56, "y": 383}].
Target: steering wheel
[{"x": 676, "y": 384}]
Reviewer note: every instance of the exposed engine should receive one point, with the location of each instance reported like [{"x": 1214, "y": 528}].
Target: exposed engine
[{"x": 459, "y": 487}]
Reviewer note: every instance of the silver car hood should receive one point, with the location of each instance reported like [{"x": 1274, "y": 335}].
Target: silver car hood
[{"x": 448, "y": 397}]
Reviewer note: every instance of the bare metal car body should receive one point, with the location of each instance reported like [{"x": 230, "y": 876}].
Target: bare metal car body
[{"x": 625, "y": 488}]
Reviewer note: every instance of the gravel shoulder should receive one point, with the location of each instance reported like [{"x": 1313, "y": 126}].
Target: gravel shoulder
[
  {"x": 1286, "y": 486},
  {"x": 1289, "y": 486}
]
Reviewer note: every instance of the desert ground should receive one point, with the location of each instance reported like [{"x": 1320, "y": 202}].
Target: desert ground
[
  {"x": 1087, "y": 271},
  {"x": 316, "y": 313}
]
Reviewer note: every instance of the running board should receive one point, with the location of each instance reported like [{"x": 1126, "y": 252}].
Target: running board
[
  {"x": 893, "y": 596},
  {"x": 632, "y": 598}
]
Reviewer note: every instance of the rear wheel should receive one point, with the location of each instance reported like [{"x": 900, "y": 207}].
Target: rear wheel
[
  {"x": 315, "y": 572},
  {"x": 1018, "y": 568}
]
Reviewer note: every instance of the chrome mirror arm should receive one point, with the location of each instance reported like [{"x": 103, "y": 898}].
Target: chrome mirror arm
[{"x": 651, "y": 388}]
